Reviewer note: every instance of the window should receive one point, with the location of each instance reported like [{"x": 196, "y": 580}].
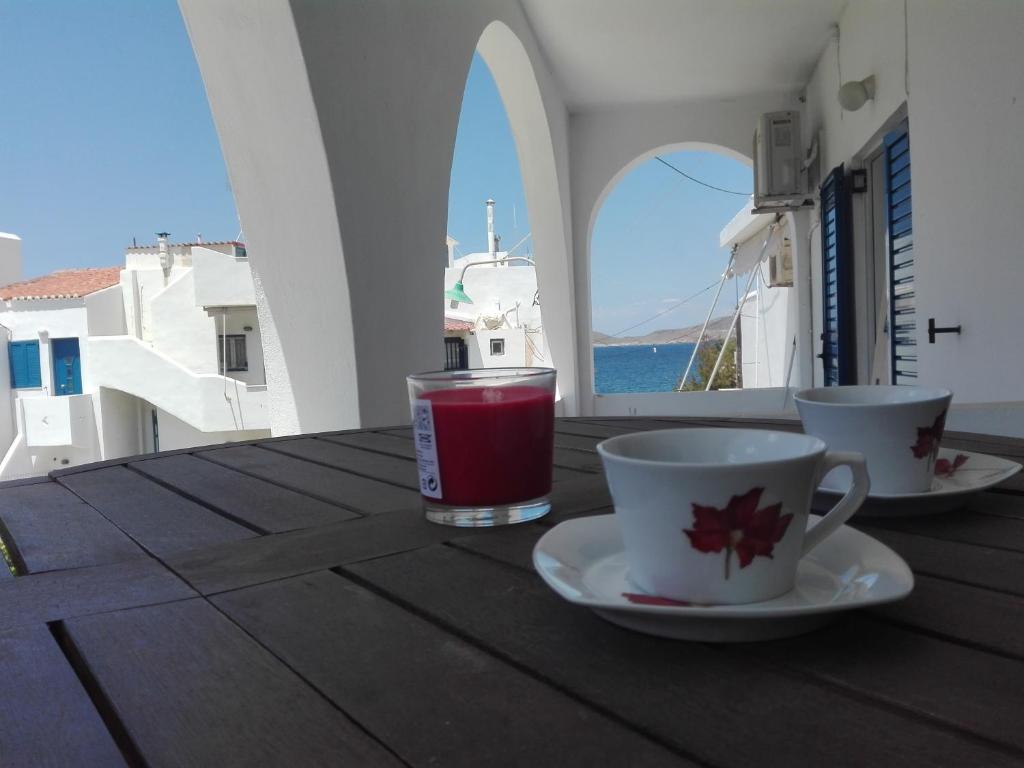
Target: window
[
  {"x": 497, "y": 347},
  {"x": 233, "y": 346},
  {"x": 23, "y": 357},
  {"x": 456, "y": 354},
  {"x": 900, "y": 231},
  {"x": 837, "y": 342}
]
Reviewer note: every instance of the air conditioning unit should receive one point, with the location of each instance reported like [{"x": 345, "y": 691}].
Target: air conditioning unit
[
  {"x": 780, "y": 266},
  {"x": 779, "y": 180}
]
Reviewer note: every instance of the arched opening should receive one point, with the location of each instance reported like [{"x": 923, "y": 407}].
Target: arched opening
[
  {"x": 492, "y": 312},
  {"x": 685, "y": 295},
  {"x": 520, "y": 284}
]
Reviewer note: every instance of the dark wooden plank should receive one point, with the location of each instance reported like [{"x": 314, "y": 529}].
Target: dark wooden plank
[
  {"x": 631, "y": 424},
  {"x": 590, "y": 429},
  {"x": 964, "y": 525},
  {"x": 1000, "y": 503},
  {"x": 382, "y": 442},
  {"x": 394, "y": 669},
  {"x": 928, "y": 675},
  {"x": 719, "y": 707},
  {"x": 54, "y": 595},
  {"x": 46, "y": 717},
  {"x": 965, "y": 688},
  {"x": 51, "y": 528},
  {"x": 260, "y": 504},
  {"x": 254, "y": 561},
  {"x": 360, "y": 494},
  {"x": 389, "y": 469},
  {"x": 379, "y": 466},
  {"x": 157, "y": 518},
  {"x": 1008, "y": 447},
  {"x": 514, "y": 547},
  {"x": 577, "y": 460},
  {"x": 577, "y": 442},
  {"x": 192, "y": 689},
  {"x": 977, "y": 565},
  {"x": 576, "y": 497},
  {"x": 402, "y": 445},
  {"x": 979, "y": 617}
]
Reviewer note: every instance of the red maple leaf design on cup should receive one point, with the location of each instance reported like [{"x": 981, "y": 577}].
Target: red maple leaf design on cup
[
  {"x": 740, "y": 527},
  {"x": 927, "y": 445},
  {"x": 947, "y": 468}
]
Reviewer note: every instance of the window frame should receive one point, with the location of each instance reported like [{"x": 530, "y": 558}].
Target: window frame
[
  {"x": 226, "y": 349},
  {"x": 38, "y": 378},
  {"x": 500, "y": 341}
]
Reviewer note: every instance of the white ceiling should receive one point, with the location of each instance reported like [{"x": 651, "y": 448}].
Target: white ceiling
[{"x": 606, "y": 52}]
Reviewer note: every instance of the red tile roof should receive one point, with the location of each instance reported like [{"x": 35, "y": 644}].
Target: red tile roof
[
  {"x": 63, "y": 284},
  {"x": 451, "y": 324}
]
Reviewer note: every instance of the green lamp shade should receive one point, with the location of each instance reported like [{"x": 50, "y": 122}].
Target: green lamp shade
[{"x": 458, "y": 294}]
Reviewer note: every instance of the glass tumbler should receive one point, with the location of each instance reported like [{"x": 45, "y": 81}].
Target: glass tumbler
[{"x": 484, "y": 443}]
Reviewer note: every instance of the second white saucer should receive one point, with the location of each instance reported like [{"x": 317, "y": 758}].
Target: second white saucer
[{"x": 966, "y": 473}]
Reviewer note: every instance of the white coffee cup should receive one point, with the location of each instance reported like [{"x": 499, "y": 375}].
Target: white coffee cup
[
  {"x": 720, "y": 515},
  {"x": 897, "y": 428}
]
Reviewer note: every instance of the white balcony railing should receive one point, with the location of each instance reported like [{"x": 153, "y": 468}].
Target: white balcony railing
[
  {"x": 54, "y": 421},
  {"x": 205, "y": 401}
]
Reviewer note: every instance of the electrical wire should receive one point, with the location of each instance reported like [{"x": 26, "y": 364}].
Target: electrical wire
[
  {"x": 667, "y": 310},
  {"x": 698, "y": 181}
]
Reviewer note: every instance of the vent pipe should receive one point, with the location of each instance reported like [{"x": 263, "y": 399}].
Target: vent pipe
[
  {"x": 165, "y": 255},
  {"x": 492, "y": 244}
]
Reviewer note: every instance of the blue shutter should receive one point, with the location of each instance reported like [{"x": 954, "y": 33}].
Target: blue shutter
[
  {"x": 23, "y": 357},
  {"x": 837, "y": 342},
  {"x": 900, "y": 239}
]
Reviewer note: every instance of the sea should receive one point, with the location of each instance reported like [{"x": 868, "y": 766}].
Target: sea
[{"x": 640, "y": 368}]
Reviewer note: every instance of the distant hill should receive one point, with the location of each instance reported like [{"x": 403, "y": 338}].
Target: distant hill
[{"x": 717, "y": 329}]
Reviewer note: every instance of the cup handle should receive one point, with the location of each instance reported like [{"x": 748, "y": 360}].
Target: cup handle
[{"x": 847, "y": 505}]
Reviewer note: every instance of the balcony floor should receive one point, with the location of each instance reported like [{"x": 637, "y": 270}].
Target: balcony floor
[{"x": 284, "y": 603}]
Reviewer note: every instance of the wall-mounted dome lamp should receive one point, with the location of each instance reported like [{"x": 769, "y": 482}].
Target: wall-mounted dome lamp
[{"x": 856, "y": 93}]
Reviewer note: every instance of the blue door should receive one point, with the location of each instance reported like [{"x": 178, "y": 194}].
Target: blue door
[{"x": 67, "y": 367}]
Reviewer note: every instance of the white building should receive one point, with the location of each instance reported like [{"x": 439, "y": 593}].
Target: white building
[
  {"x": 101, "y": 363},
  {"x": 500, "y": 326},
  {"x": 767, "y": 328}
]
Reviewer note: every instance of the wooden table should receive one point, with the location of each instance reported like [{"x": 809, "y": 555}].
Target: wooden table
[{"x": 284, "y": 603}]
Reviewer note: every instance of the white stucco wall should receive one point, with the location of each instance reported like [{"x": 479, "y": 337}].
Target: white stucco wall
[
  {"x": 119, "y": 426},
  {"x": 962, "y": 88},
  {"x": 105, "y": 312},
  {"x": 42, "y": 320},
  {"x": 176, "y": 434},
  {"x": 495, "y": 290},
  {"x": 766, "y": 336},
  {"x": 221, "y": 279},
  {"x": 320, "y": 165},
  {"x": 180, "y": 329}
]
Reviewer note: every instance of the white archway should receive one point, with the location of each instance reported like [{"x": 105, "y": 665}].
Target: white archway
[
  {"x": 517, "y": 84},
  {"x": 606, "y": 144}
]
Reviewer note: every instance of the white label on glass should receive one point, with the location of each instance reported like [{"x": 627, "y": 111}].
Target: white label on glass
[{"x": 426, "y": 448}]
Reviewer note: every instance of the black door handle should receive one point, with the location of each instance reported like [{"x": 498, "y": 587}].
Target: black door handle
[{"x": 932, "y": 329}]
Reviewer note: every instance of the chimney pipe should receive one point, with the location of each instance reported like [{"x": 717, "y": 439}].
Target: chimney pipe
[
  {"x": 165, "y": 256},
  {"x": 492, "y": 245}
]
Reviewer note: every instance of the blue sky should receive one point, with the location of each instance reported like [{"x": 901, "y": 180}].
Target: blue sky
[{"x": 107, "y": 135}]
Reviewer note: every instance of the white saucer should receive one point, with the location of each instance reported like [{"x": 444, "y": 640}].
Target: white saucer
[
  {"x": 978, "y": 472},
  {"x": 584, "y": 562}
]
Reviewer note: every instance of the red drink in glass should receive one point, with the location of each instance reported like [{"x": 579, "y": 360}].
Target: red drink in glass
[{"x": 484, "y": 444}]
